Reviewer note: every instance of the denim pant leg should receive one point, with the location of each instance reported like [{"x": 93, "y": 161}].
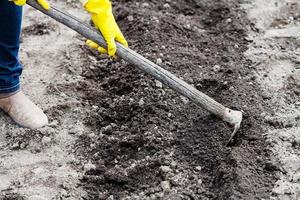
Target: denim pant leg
[{"x": 10, "y": 28}]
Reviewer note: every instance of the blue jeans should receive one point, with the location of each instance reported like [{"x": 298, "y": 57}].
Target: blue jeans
[{"x": 10, "y": 29}]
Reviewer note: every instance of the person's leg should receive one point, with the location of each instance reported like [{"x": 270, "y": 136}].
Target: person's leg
[
  {"x": 13, "y": 101},
  {"x": 10, "y": 27}
]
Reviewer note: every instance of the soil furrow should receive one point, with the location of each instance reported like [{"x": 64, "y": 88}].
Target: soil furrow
[{"x": 140, "y": 122}]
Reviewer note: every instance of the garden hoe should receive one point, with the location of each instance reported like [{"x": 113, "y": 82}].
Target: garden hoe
[{"x": 233, "y": 117}]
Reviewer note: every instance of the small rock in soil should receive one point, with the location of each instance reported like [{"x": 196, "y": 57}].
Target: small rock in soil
[
  {"x": 141, "y": 102},
  {"x": 46, "y": 140},
  {"x": 166, "y": 5},
  {"x": 165, "y": 185},
  {"x": 216, "y": 68},
  {"x": 158, "y": 84},
  {"x": 89, "y": 166},
  {"x": 95, "y": 107},
  {"x": 92, "y": 135},
  {"x": 229, "y": 20},
  {"x": 107, "y": 129},
  {"x": 145, "y": 5},
  {"x": 173, "y": 164},
  {"x": 165, "y": 169},
  {"x": 159, "y": 61},
  {"x": 111, "y": 197},
  {"x": 15, "y": 145},
  {"x": 200, "y": 181},
  {"x": 53, "y": 124},
  {"x": 184, "y": 99},
  {"x": 130, "y": 18},
  {"x": 198, "y": 168},
  {"x": 23, "y": 145}
]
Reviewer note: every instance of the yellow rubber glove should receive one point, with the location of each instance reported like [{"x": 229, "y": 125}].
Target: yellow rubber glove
[
  {"x": 43, "y": 3},
  {"x": 103, "y": 18}
]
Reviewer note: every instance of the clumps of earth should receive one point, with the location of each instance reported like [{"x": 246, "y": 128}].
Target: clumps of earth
[
  {"x": 145, "y": 141},
  {"x": 116, "y": 133}
]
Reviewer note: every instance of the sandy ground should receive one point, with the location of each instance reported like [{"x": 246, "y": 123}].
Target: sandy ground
[
  {"x": 61, "y": 161},
  {"x": 275, "y": 53},
  {"x": 40, "y": 167}
]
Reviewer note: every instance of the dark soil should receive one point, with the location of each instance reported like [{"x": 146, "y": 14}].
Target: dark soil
[
  {"x": 7, "y": 195},
  {"x": 138, "y": 126},
  {"x": 38, "y": 29}
]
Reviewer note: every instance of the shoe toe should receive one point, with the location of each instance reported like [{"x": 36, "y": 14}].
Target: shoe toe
[
  {"x": 24, "y": 112},
  {"x": 38, "y": 121}
]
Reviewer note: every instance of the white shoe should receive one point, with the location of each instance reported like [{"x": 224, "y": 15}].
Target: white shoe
[{"x": 23, "y": 111}]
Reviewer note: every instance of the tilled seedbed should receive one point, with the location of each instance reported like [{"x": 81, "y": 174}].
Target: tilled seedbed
[
  {"x": 117, "y": 133},
  {"x": 147, "y": 142}
]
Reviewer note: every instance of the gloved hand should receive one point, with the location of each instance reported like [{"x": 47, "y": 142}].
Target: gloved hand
[
  {"x": 43, "y": 3},
  {"x": 103, "y": 18}
]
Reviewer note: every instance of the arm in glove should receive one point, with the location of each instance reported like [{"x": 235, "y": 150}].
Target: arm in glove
[
  {"x": 102, "y": 17},
  {"x": 43, "y": 3}
]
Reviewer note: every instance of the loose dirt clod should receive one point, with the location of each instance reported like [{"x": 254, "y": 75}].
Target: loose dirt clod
[
  {"x": 165, "y": 169},
  {"x": 165, "y": 185}
]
